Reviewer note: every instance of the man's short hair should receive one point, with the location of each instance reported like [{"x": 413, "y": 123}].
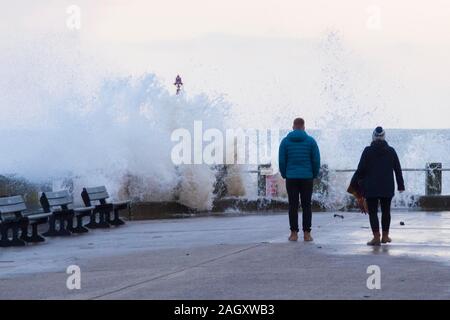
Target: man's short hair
[{"x": 299, "y": 123}]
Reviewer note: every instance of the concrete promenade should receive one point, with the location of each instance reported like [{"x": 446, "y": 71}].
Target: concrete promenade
[{"x": 239, "y": 257}]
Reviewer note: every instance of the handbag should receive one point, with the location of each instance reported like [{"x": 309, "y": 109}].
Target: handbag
[{"x": 355, "y": 188}]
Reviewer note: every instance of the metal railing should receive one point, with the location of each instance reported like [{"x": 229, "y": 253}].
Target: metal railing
[
  {"x": 403, "y": 169},
  {"x": 433, "y": 176}
]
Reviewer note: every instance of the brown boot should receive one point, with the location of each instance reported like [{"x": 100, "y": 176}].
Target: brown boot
[
  {"x": 307, "y": 236},
  {"x": 376, "y": 240},
  {"x": 385, "y": 238},
  {"x": 293, "y": 236}
]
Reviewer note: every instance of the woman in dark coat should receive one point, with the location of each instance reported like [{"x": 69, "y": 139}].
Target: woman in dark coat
[{"x": 375, "y": 176}]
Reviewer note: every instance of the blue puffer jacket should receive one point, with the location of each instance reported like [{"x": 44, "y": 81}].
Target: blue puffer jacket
[{"x": 299, "y": 156}]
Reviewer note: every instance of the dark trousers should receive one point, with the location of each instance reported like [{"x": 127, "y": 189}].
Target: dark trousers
[
  {"x": 385, "y": 203},
  {"x": 304, "y": 187}
]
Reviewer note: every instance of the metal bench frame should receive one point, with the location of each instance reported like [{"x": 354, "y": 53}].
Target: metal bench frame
[
  {"x": 14, "y": 216},
  {"x": 60, "y": 204},
  {"x": 104, "y": 209}
]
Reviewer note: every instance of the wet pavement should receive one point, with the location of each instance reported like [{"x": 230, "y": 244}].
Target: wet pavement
[{"x": 240, "y": 257}]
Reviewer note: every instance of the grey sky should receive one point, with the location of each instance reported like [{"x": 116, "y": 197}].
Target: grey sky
[{"x": 267, "y": 57}]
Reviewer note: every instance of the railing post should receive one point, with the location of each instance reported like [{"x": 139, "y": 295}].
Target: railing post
[
  {"x": 321, "y": 185},
  {"x": 220, "y": 187},
  {"x": 433, "y": 179},
  {"x": 262, "y": 172}
]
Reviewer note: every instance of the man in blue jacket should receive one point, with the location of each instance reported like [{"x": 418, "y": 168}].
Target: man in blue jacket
[{"x": 299, "y": 162}]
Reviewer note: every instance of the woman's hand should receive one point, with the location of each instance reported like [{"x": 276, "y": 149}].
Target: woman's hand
[{"x": 362, "y": 205}]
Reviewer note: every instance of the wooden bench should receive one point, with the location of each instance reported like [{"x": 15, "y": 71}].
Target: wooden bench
[
  {"x": 97, "y": 196},
  {"x": 60, "y": 204},
  {"x": 15, "y": 217}
]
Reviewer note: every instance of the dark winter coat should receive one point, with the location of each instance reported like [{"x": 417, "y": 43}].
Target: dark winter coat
[{"x": 375, "y": 173}]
